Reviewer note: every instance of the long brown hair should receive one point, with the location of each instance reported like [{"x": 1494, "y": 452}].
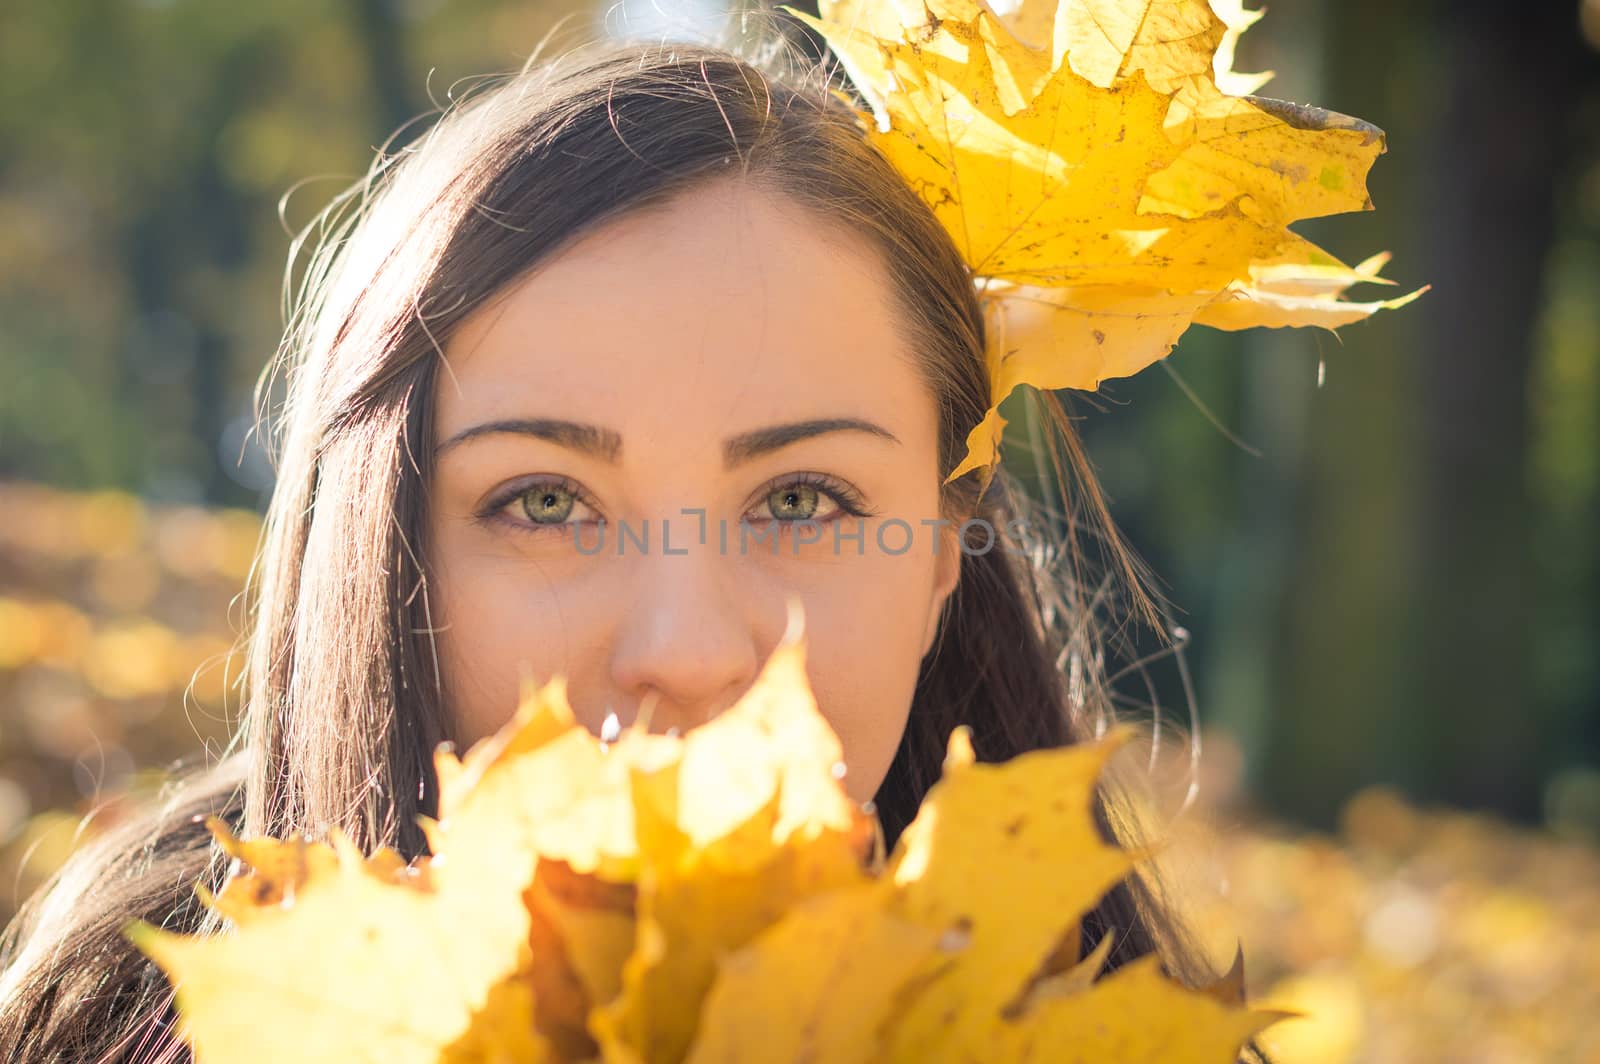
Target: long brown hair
[{"x": 342, "y": 705}]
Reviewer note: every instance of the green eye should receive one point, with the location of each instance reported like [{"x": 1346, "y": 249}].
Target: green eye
[
  {"x": 794, "y": 502},
  {"x": 548, "y": 505}
]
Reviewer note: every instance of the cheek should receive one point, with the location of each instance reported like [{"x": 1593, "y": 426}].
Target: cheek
[
  {"x": 864, "y": 642},
  {"x": 493, "y": 633}
]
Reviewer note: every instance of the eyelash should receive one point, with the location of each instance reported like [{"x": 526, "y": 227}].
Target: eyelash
[
  {"x": 493, "y": 511},
  {"x": 847, "y": 498}
]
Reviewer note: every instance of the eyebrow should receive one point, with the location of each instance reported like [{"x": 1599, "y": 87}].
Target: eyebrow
[{"x": 606, "y": 444}]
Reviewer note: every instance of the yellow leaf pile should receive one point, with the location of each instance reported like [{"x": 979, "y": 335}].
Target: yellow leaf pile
[
  {"x": 708, "y": 898},
  {"x": 1097, "y": 172}
]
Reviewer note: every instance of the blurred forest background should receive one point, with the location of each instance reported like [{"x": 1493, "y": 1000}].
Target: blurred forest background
[{"x": 1385, "y": 544}]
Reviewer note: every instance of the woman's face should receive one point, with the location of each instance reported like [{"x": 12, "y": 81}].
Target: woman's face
[{"x": 650, "y": 442}]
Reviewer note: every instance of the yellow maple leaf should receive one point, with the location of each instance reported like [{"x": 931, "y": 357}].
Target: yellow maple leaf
[
  {"x": 315, "y": 979},
  {"x": 592, "y": 923},
  {"x": 953, "y": 859},
  {"x": 1237, "y": 19},
  {"x": 819, "y": 985},
  {"x": 705, "y": 898},
  {"x": 701, "y": 907},
  {"x": 948, "y": 956},
  {"x": 1100, "y": 170}
]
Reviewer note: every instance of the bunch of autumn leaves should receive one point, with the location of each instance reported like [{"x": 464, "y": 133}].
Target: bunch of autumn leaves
[
  {"x": 1107, "y": 177},
  {"x": 710, "y": 897}
]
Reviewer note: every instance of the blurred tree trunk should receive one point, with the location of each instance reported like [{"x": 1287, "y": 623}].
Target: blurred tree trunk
[
  {"x": 380, "y": 31},
  {"x": 1407, "y": 655},
  {"x": 197, "y": 225},
  {"x": 1506, "y": 139},
  {"x": 1343, "y": 714}
]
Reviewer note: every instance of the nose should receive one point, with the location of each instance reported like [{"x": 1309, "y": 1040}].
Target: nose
[{"x": 683, "y": 640}]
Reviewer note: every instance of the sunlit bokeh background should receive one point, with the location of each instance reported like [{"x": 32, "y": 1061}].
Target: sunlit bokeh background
[{"x": 1385, "y": 545}]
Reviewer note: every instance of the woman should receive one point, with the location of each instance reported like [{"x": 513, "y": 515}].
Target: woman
[{"x": 605, "y": 311}]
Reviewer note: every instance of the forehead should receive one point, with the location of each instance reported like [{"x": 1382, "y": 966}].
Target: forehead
[{"x": 722, "y": 308}]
